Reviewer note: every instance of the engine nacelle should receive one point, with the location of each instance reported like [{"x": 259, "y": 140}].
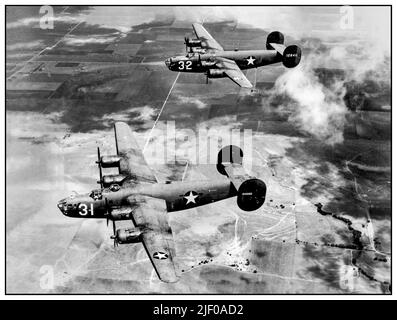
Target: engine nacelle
[
  {"x": 229, "y": 154},
  {"x": 192, "y": 43},
  {"x": 108, "y": 180},
  {"x": 274, "y": 37},
  {"x": 197, "y": 50},
  {"x": 121, "y": 214},
  {"x": 292, "y": 56},
  {"x": 208, "y": 64},
  {"x": 131, "y": 235},
  {"x": 216, "y": 73},
  {"x": 251, "y": 194},
  {"x": 110, "y": 161}
]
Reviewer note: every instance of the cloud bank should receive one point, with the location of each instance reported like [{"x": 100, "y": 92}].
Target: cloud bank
[{"x": 316, "y": 109}]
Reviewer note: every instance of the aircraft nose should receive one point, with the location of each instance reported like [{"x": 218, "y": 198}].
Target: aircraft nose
[
  {"x": 168, "y": 62},
  {"x": 62, "y": 206}
]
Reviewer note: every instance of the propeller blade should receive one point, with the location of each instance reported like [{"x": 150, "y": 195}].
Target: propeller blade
[
  {"x": 114, "y": 236},
  {"x": 115, "y": 242},
  {"x": 100, "y": 168},
  {"x": 107, "y": 212}
]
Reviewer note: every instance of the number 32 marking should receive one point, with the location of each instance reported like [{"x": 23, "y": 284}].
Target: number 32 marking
[
  {"x": 187, "y": 65},
  {"x": 83, "y": 209}
]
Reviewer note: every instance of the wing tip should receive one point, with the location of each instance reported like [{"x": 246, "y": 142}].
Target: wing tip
[
  {"x": 120, "y": 123},
  {"x": 247, "y": 86}
]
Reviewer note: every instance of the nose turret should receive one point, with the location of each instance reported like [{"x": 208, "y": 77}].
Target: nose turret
[
  {"x": 69, "y": 205},
  {"x": 62, "y": 206},
  {"x": 168, "y": 62}
]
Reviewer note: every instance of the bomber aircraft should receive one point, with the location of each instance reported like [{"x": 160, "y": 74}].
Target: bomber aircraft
[
  {"x": 136, "y": 194},
  {"x": 206, "y": 55}
]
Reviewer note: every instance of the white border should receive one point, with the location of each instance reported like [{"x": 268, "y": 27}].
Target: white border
[{"x": 182, "y": 297}]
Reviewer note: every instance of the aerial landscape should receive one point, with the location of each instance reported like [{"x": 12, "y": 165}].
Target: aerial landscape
[{"x": 320, "y": 138}]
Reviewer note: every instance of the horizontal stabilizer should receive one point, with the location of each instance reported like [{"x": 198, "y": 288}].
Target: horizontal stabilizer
[{"x": 278, "y": 47}]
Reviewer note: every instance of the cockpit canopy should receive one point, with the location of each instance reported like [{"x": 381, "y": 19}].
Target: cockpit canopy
[{"x": 96, "y": 194}]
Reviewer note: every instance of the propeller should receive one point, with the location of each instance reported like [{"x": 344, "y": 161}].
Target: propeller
[
  {"x": 254, "y": 87},
  {"x": 236, "y": 47},
  {"x": 114, "y": 227},
  {"x": 100, "y": 168},
  {"x": 115, "y": 242},
  {"x": 114, "y": 237},
  {"x": 107, "y": 212},
  {"x": 186, "y": 43}
]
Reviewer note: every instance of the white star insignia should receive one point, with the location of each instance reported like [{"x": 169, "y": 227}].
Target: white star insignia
[
  {"x": 250, "y": 60},
  {"x": 190, "y": 198},
  {"x": 160, "y": 255}
]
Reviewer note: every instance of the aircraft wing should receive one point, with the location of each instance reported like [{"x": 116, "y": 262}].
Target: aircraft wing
[
  {"x": 150, "y": 214},
  {"x": 233, "y": 72},
  {"x": 132, "y": 162},
  {"x": 208, "y": 42}
]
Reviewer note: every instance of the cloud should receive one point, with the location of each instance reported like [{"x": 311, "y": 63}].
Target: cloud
[
  {"x": 35, "y": 21},
  {"x": 25, "y": 45},
  {"x": 123, "y": 18},
  {"x": 318, "y": 105},
  {"x": 32, "y": 125},
  {"x": 24, "y": 55},
  {"x": 145, "y": 113},
  {"x": 359, "y": 59},
  {"x": 23, "y": 22},
  {"x": 89, "y": 39},
  {"x": 190, "y": 100},
  {"x": 317, "y": 109}
]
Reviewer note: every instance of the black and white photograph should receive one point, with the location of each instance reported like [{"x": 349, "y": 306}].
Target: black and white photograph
[{"x": 198, "y": 149}]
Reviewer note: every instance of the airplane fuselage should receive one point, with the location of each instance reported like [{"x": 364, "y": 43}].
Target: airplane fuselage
[
  {"x": 179, "y": 195},
  {"x": 206, "y": 55},
  {"x": 134, "y": 194},
  {"x": 245, "y": 59}
]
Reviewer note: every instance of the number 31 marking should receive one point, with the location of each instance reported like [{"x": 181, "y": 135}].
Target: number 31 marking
[
  {"x": 83, "y": 209},
  {"x": 187, "y": 65}
]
